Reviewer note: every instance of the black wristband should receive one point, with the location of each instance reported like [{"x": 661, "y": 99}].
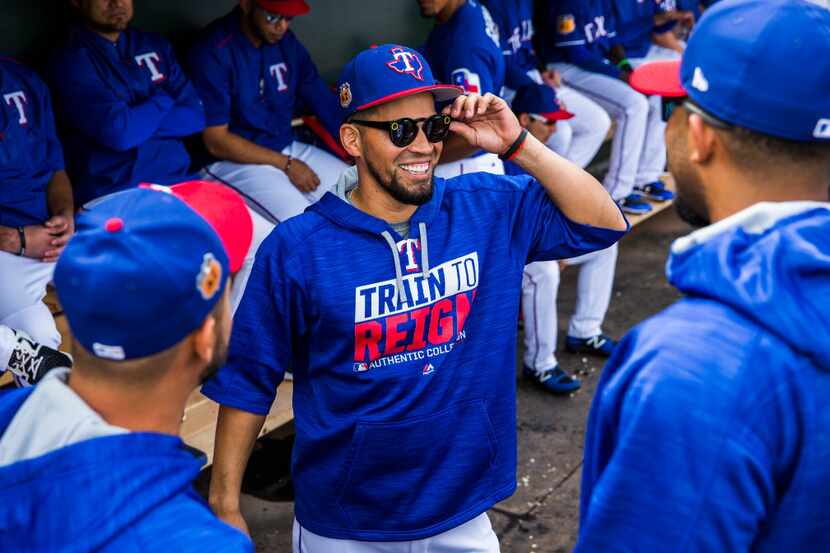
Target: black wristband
[
  {"x": 511, "y": 151},
  {"x": 21, "y": 232}
]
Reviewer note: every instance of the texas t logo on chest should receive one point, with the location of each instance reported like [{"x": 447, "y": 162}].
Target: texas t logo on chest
[
  {"x": 149, "y": 60},
  {"x": 18, "y": 99}
]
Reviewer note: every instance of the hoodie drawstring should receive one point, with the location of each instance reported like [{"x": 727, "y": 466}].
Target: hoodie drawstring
[{"x": 422, "y": 227}]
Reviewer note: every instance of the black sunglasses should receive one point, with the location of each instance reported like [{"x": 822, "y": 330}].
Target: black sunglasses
[
  {"x": 670, "y": 103},
  {"x": 402, "y": 132}
]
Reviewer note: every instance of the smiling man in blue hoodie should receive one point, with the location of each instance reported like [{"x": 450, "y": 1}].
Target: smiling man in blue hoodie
[
  {"x": 709, "y": 429},
  {"x": 91, "y": 460},
  {"x": 395, "y": 301}
]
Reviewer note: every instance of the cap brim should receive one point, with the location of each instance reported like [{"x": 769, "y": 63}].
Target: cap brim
[
  {"x": 289, "y": 8},
  {"x": 226, "y": 212},
  {"x": 658, "y": 78},
  {"x": 561, "y": 115},
  {"x": 442, "y": 93}
]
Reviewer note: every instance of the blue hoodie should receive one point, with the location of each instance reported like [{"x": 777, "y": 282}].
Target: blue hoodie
[
  {"x": 710, "y": 428},
  {"x": 124, "y": 108},
  {"x": 118, "y": 493},
  {"x": 403, "y": 351}
]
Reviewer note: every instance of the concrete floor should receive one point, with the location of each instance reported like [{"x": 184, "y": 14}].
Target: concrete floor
[{"x": 543, "y": 514}]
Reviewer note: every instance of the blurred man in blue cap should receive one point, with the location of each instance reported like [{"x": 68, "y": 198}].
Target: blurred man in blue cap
[
  {"x": 709, "y": 429},
  {"x": 399, "y": 319},
  {"x": 91, "y": 460},
  {"x": 538, "y": 110}
]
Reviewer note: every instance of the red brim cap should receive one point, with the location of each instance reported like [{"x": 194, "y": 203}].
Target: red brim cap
[
  {"x": 560, "y": 115},
  {"x": 442, "y": 93},
  {"x": 289, "y": 8},
  {"x": 226, "y": 212},
  {"x": 658, "y": 78}
]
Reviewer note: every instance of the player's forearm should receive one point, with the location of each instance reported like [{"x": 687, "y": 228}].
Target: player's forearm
[
  {"x": 668, "y": 40},
  {"x": 236, "y": 433},
  {"x": 9, "y": 240},
  {"x": 455, "y": 148},
  {"x": 232, "y": 147},
  {"x": 59, "y": 195},
  {"x": 576, "y": 193}
]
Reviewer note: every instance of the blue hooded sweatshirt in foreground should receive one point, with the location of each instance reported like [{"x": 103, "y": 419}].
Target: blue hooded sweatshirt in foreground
[
  {"x": 124, "y": 107},
  {"x": 710, "y": 429},
  {"x": 122, "y": 493},
  {"x": 403, "y": 352}
]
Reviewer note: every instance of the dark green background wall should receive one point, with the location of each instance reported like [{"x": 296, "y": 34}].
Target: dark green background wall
[{"x": 333, "y": 32}]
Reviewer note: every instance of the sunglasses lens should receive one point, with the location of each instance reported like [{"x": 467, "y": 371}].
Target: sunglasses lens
[
  {"x": 668, "y": 108},
  {"x": 402, "y": 132},
  {"x": 437, "y": 127}
]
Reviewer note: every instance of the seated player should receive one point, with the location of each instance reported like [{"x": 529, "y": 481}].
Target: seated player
[
  {"x": 91, "y": 460},
  {"x": 253, "y": 74},
  {"x": 538, "y": 111},
  {"x": 463, "y": 49},
  {"x": 123, "y": 102},
  {"x": 580, "y": 41},
  {"x": 578, "y": 139},
  {"x": 36, "y": 208}
]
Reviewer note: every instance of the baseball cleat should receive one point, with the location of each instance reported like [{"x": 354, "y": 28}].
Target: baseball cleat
[
  {"x": 655, "y": 191},
  {"x": 634, "y": 204},
  {"x": 30, "y": 361},
  {"x": 553, "y": 380},
  {"x": 600, "y": 345}
]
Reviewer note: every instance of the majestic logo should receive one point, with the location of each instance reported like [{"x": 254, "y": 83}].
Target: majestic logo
[
  {"x": 209, "y": 279},
  {"x": 278, "y": 71},
  {"x": 699, "y": 81},
  {"x": 565, "y": 24},
  {"x": 429, "y": 369},
  {"x": 406, "y": 63},
  {"x": 420, "y": 322},
  {"x": 466, "y": 79},
  {"x": 345, "y": 95},
  {"x": 19, "y": 100},
  {"x": 822, "y": 129},
  {"x": 150, "y": 60}
]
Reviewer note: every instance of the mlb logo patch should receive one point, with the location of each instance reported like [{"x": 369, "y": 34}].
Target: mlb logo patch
[
  {"x": 565, "y": 24},
  {"x": 822, "y": 129},
  {"x": 466, "y": 79}
]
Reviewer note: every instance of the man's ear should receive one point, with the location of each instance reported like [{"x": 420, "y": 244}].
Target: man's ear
[
  {"x": 245, "y": 5},
  {"x": 524, "y": 120},
  {"x": 702, "y": 139},
  {"x": 203, "y": 340},
  {"x": 351, "y": 140}
]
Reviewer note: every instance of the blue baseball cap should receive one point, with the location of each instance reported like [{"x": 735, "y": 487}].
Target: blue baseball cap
[
  {"x": 539, "y": 99},
  {"x": 763, "y": 65},
  {"x": 385, "y": 73},
  {"x": 142, "y": 271}
]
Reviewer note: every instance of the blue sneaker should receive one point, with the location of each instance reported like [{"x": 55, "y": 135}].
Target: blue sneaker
[
  {"x": 656, "y": 191},
  {"x": 553, "y": 380},
  {"x": 634, "y": 204},
  {"x": 600, "y": 345}
]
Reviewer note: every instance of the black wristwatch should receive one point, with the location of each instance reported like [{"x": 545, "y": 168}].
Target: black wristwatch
[{"x": 22, "y": 234}]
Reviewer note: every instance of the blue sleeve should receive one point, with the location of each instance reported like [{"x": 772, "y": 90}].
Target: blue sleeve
[
  {"x": 188, "y": 114},
  {"x": 591, "y": 61},
  {"x": 95, "y": 110},
  {"x": 212, "y": 79},
  {"x": 473, "y": 71},
  {"x": 515, "y": 75},
  {"x": 682, "y": 446},
  {"x": 541, "y": 230},
  {"x": 264, "y": 327},
  {"x": 54, "y": 150},
  {"x": 316, "y": 93}
]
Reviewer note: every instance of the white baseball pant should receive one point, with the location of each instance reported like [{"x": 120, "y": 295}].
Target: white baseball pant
[
  {"x": 540, "y": 288},
  {"x": 485, "y": 163},
  {"x": 638, "y": 153},
  {"x": 272, "y": 197},
  {"x": 7, "y": 343},
  {"x": 475, "y": 536},
  {"x": 21, "y": 298}
]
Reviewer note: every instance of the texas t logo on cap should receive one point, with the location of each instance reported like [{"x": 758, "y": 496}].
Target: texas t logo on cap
[
  {"x": 822, "y": 129},
  {"x": 407, "y": 62}
]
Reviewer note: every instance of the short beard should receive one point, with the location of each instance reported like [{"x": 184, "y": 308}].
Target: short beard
[
  {"x": 106, "y": 28},
  {"x": 397, "y": 190},
  {"x": 220, "y": 357},
  {"x": 691, "y": 216}
]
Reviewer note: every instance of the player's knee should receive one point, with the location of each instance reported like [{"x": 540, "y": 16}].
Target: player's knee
[{"x": 636, "y": 106}]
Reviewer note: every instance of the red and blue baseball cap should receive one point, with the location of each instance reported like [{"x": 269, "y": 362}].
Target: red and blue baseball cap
[
  {"x": 763, "y": 65},
  {"x": 385, "y": 73},
  {"x": 288, "y": 8},
  {"x": 539, "y": 99},
  {"x": 142, "y": 271}
]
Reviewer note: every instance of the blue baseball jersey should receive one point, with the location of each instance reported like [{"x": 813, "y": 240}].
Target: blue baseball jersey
[
  {"x": 30, "y": 152},
  {"x": 635, "y": 22},
  {"x": 466, "y": 51},
  {"x": 124, "y": 107},
  {"x": 256, "y": 91},
  {"x": 514, "y": 18},
  {"x": 419, "y": 336},
  {"x": 581, "y": 32}
]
